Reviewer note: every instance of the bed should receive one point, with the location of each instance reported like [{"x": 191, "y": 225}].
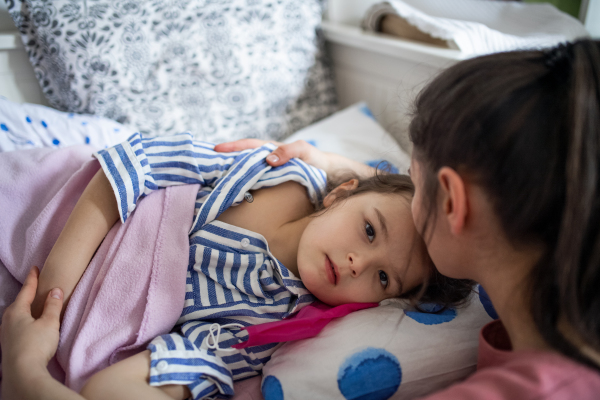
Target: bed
[{"x": 370, "y": 78}]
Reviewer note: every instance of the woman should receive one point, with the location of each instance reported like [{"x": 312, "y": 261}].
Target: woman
[{"x": 506, "y": 165}]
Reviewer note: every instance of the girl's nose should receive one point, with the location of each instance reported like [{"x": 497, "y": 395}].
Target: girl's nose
[{"x": 357, "y": 264}]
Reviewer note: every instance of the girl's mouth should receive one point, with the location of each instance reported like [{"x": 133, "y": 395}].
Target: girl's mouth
[{"x": 330, "y": 271}]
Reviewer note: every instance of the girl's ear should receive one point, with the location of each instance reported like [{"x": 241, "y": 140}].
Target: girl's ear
[
  {"x": 454, "y": 199},
  {"x": 350, "y": 185}
]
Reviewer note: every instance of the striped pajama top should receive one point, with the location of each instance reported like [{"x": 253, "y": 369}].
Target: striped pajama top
[{"x": 232, "y": 277}]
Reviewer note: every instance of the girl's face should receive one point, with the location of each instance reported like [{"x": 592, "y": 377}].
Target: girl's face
[{"x": 364, "y": 249}]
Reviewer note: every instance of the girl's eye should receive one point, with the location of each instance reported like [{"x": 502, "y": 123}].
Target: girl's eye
[
  {"x": 383, "y": 278},
  {"x": 370, "y": 232}
]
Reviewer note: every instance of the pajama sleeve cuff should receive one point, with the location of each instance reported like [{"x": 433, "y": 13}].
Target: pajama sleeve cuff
[
  {"x": 175, "y": 361},
  {"x": 125, "y": 165}
]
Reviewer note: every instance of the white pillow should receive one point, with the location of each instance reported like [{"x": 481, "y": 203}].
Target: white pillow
[
  {"x": 354, "y": 133},
  {"x": 380, "y": 353},
  {"x": 220, "y": 69}
]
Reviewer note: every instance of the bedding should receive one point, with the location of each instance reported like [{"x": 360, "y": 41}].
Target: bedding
[
  {"x": 420, "y": 355},
  {"x": 222, "y": 70},
  {"x": 112, "y": 313},
  {"x": 28, "y": 126},
  {"x": 391, "y": 351}
]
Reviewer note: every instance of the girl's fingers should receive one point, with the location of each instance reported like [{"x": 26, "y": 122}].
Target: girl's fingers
[
  {"x": 53, "y": 306},
  {"x": 27, "y": 293}
]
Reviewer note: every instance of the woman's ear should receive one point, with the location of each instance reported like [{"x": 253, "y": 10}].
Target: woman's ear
[
  {"x": 330, "y": 198},
  {"x": 454, "y": 199}
]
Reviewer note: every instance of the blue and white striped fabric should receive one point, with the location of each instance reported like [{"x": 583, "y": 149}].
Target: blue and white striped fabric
[{"x": 232, "y": 276}]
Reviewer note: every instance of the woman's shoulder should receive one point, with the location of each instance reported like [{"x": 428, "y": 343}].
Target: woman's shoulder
[{"x": 540, "y": 375}]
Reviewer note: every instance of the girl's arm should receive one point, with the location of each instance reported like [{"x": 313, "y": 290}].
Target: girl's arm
[
  {"x": 93, "y": 216},
  {"x": 333, "y": 164},
  {"x": 128, "y": 379}
]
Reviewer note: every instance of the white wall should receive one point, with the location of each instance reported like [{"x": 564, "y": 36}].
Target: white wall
[
  {"x": 592, "y": 18},
  {"x": 6, "y": 22}
]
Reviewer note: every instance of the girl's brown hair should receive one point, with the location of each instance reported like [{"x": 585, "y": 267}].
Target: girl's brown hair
[{"x": 525, "y": 126}]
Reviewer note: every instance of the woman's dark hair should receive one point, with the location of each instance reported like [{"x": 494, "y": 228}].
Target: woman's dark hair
[
  {"x": 525, "y": 126},
  {"x": 439, "y": 289}
]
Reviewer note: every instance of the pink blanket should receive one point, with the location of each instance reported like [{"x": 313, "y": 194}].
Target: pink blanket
[{"x": 134, "y": 288}]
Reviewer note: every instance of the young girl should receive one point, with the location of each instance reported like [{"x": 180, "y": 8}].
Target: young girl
[{"x": 259, "y": 261}]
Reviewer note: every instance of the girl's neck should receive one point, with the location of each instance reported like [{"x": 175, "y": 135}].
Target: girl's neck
[{"x": 284, "y": 243}]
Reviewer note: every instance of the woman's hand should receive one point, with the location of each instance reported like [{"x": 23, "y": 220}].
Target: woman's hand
[
  {"x": 283, "y": 153},
  {"x": 331, "y": 163},
  {"x": 28, "y": 344}
]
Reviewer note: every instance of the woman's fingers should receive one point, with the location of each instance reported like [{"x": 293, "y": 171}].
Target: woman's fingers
[
  {"x": 285, "y": 152},
  {"x": 27, "y": 293},
  {"x": 282, "y": 154},
  {"x": 242, "y": 144},
  {"x": 53, "y": 307}
]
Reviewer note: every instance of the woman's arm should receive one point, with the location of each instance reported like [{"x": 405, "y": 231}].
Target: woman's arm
[
  {"x": 93, "y": 216},
  {"x": 333, "y": 164}
]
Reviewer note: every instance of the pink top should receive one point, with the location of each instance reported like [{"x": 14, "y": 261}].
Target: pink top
[{"x": 504, "y": 374}]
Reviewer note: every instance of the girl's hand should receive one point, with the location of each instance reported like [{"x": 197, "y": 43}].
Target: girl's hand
[
  {"x": 331, "y": 163},
  {"x": 28, "y": 344},
  {"x": 283, "y": 153}
]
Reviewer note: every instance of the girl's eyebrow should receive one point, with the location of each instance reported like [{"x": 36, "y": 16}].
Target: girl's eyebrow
[{"x": 381, "y": 222}]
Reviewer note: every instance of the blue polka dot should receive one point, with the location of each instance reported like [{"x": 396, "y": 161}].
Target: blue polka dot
[
  {"x": 55, "y": 141},
  {"x": 84, "y": 123},
  {"x": 28, "y": 119},
  {"x": 271, "y": 388},
  {"x": 371, "y": 374},
  {"x": 431, "y": 316},
  {"x": 44, "y": 124},
  {"x": 312, "y": 142},
  {"x": 487, "y": 303},
  {"x": 384, "y": 165},
  {"x": 117, "y": 129},
  {"x": 366, "y": 111},
  {"x": 87, "y": 140},
  {"x": 71, "y": 115},
  {"x": 4, "y": 127}
]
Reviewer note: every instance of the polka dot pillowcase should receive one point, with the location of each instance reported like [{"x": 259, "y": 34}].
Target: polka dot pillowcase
[
  {"x": 391, "y": 351},
  {"x": 26, "y": 126}
]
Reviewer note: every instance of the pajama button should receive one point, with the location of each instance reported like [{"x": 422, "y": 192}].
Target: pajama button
[
  {"x": 245, "y": 242},
  {"x": 162, "y": 365}
]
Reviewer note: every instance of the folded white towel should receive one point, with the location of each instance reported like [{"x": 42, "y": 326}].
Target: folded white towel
[{"x": 480, "y": 27}]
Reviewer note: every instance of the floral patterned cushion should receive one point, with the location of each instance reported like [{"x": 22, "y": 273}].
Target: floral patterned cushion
[{"x": 221, "y": 69}]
